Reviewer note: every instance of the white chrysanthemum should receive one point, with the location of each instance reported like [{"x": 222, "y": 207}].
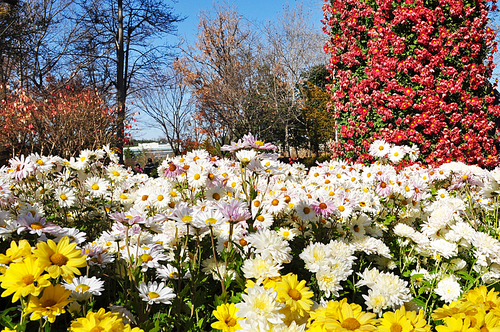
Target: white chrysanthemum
[
  {"x": 260, "y": 268},
  {"x": 368, "y": 278},
  {"x": 153, "y": 293},
  {"x": 403, "y": 230},
  {"x": 444, "y": 248},
  {"x": 372, "y": 245},
  {"x": 65, "y": 196},
  {"x": 448, "y": 289},
  {"x": 269, "y": 243},
  {"x": 316, "y": 256},
  {"x": 376, "y": 301},
  {"x": 260, "y": 308},
  {"x": 83, "y": 287},
  {"x": 329, "y": 282}
]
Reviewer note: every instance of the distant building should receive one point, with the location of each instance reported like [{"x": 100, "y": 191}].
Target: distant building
[{"x": 159, "y": 150}]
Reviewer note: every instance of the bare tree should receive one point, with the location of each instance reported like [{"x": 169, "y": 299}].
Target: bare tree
[
  {"x": 125, "y": 34},
  {"x": 167, "y": 101},
  {"x": 294, "y": 46},
  {"x": 224, "y": 65}
]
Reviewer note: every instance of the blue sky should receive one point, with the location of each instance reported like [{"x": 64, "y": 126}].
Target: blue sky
[{"x": 258, "y": 11}]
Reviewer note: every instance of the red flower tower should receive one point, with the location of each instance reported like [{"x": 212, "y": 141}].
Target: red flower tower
[{"x": 413, "y": 72}]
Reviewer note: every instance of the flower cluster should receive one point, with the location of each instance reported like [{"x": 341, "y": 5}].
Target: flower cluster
[
  {"x": 413, "y": 72},
  {"x": 279, "y": 245}
]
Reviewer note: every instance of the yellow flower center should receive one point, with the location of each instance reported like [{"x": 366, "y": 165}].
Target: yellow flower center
[
  {"x": 172, "y": 167},
  {"x": 341, "y": 208},
  {"x": 216, "y": 196},
  {"x": 306, "y": 210},
  {"x": 286, "y": 233},
  {"x": 123, "y": 196},
  {"x": 259, "y": 143},
  {"x": 116, "y": 173},
  {"x": 63, "y": 197},
  {"x": 95, "y": 186},
  {"x": 275, "y": 202},
  {"x": 396, "y": 327},
  {"x": 82, "y": 159},
  {"x": 187, "y": 218},
  {"x": 173, "y": 194},
  {"x": 160, "y": 198},
  {"x": 27, "y": 279},
  {"x": 174, "y": 275},
  {"x": 381, "y": 148},
  {"x": 144, "y": 197},
  {"x": 294, "y": 294},
  {"x": 322, "y": 206},
  {"x": 97, "y": 329},
  {"x": 48, "y": 303},
  {"x": 39, "y": 162},
  {"x": 261, "y": 218},
  {"x": 82, "y": 288},
  {"x": 58, "y": 259},
  {"x": 36, "y": 225},
  {"x": 256, "y": 203},
  {"x": 146, "y": 258},
  {"x": 153, "y": 295},
  {"x": 211, "y": 221},
  {"x": 197, "y": 176},
  {"x": 350, "y": 324},
  {"x": 230, "y": 321}
]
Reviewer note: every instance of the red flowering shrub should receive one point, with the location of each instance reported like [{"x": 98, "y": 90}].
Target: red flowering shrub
[
  {"x": 413, "y": 72},
  {"x": 64, "y": 122}
]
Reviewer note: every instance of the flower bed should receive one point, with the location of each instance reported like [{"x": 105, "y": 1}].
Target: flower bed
[{"x": 250, "y": 244}]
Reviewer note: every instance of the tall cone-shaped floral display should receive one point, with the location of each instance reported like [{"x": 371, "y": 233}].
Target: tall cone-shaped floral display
[{"x": 413, "y": 72}]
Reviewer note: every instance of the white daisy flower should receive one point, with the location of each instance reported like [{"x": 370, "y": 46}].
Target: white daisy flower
[
  {"x": 97, "y": 186},
  {"x": 65, "y": 196},
  {"x": 84, "y": 287},
  {"x": 154, "y": 293}
]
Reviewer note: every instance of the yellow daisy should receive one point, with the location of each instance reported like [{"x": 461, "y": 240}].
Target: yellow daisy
[
  {"x": 98, "y": 321},
  {"x": 16, "y": 252},
  {"x": 226, "y": 319},
  {"x": 351, "y": 319},
  {"x": 294, "y": 293},
  {"x": 480, "y": 295},
  {"x": 50, "y": 305},
  {"x": 459, "y": 308},
  {"x": 485, "y": 322},
  {"x": 395, "y": 321},
  {"x": 23, "y": 279},
  {"x": 453, "y": 324},
  {"x": 61, "y": 259},
  {"x": 418, "y": 321}
]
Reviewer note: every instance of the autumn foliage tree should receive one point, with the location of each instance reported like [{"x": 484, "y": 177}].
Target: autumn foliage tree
[
  {"x": 68, "y": 120},
  {"x": 316, "y": 127},
  {"x": 413, "y": 72}
]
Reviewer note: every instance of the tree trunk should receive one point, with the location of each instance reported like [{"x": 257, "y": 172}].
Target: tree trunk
[{"x": 120, "y": 84}]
